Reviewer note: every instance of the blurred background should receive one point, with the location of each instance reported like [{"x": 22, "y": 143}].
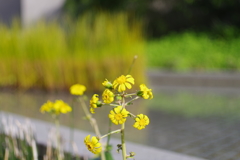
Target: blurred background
[{"x": 188, "y": 53}]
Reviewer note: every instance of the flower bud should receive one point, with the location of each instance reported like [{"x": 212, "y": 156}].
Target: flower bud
[
  {"x": 119, "y": 98},
  {"x": 107, "y": 84},
  {"x": 119, "y": 146},
  {"x": 99, "y": 104},
  {"x": 140, "y": 93},
  {"x": 132, "y": 154}
]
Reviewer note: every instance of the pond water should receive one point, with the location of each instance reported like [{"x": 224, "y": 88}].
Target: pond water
[{"x": 203, "y": 123}]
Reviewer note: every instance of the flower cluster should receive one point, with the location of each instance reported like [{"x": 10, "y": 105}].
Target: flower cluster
[
  {"x": 55, "y": 108},
  {"x": 119, "y": 114},
  {"x": 115, "y": 94}
]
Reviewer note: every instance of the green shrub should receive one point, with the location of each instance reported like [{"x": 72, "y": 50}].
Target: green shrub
[{"x": 194, "y": 52}]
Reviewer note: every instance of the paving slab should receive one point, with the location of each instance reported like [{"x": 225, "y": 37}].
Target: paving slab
[{"x": 42, "y": 129}]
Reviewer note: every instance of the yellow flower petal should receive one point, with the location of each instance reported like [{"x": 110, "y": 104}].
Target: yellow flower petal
[
  {"x": 97, "y": 145},
  {"x": 92, "y": 110},
  {"x": 128, "y": 85},
  {"x": 117, "y": 109},
  {"x": 87, "y": 138},
  {"x": 94, "y": 140}
]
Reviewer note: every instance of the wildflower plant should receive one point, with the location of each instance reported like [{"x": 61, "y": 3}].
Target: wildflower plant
[
  {"x": 55, "y": 109},
  {"x": 116, "y": 95}
]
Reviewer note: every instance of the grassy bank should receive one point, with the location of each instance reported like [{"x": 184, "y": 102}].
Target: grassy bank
[
  {"x": 194, "y": 52},
  {"x": 53, "y": 57}
]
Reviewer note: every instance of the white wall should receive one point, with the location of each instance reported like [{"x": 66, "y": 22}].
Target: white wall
[{"x": 32, "y": 10}]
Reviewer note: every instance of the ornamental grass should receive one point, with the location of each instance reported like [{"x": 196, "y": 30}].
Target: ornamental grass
[{"x": 53, "y": 56}]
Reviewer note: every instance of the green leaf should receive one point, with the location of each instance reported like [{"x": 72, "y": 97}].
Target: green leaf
[{"x": 108, "y": 155}]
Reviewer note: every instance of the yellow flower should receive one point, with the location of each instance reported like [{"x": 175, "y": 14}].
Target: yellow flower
[
  {"x": 56, "y": 108},
  {"x": 47, "y": 107},
  {"x": 118, "y": 115},
  {"x": 93, "y": 145},
  {"x": 141, "y": 121},
  {"x": 123, "y": 82},
  {"x": 108, "y": 96},
  {"x": 145, "y": 92},
  {"x": 61, "y": 107},
  {"x": 93, "y": 103},
  {"x": 77, "y": 89}
]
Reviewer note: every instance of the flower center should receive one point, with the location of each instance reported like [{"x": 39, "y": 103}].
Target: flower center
[
  {"x": 118, "y": 116},
  {"x": 89, "y": 146},
  {"x": 122, "y": 79},
  {"x": 142, "y": 122},
  {"x": 106, "y": 96}
]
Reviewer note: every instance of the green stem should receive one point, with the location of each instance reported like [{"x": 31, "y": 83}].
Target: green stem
[
  {"x": 132, "y": 100},
  {"x": 85, "y": 108},
  {"x": 124, "y": 152},
  {"x": 132, "y": 114},
  {"x": 58, "y": 138},
  {"x": 134, "y": 59},
  {"x": 71, "y": 138},
  {"x": 90, "y": 118},
  {"x": 114, "y": 105},
  {"x": 109, "y": 130},
  {"x": 128, "y": 95},
  {"x": 116, "y": 131}
]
